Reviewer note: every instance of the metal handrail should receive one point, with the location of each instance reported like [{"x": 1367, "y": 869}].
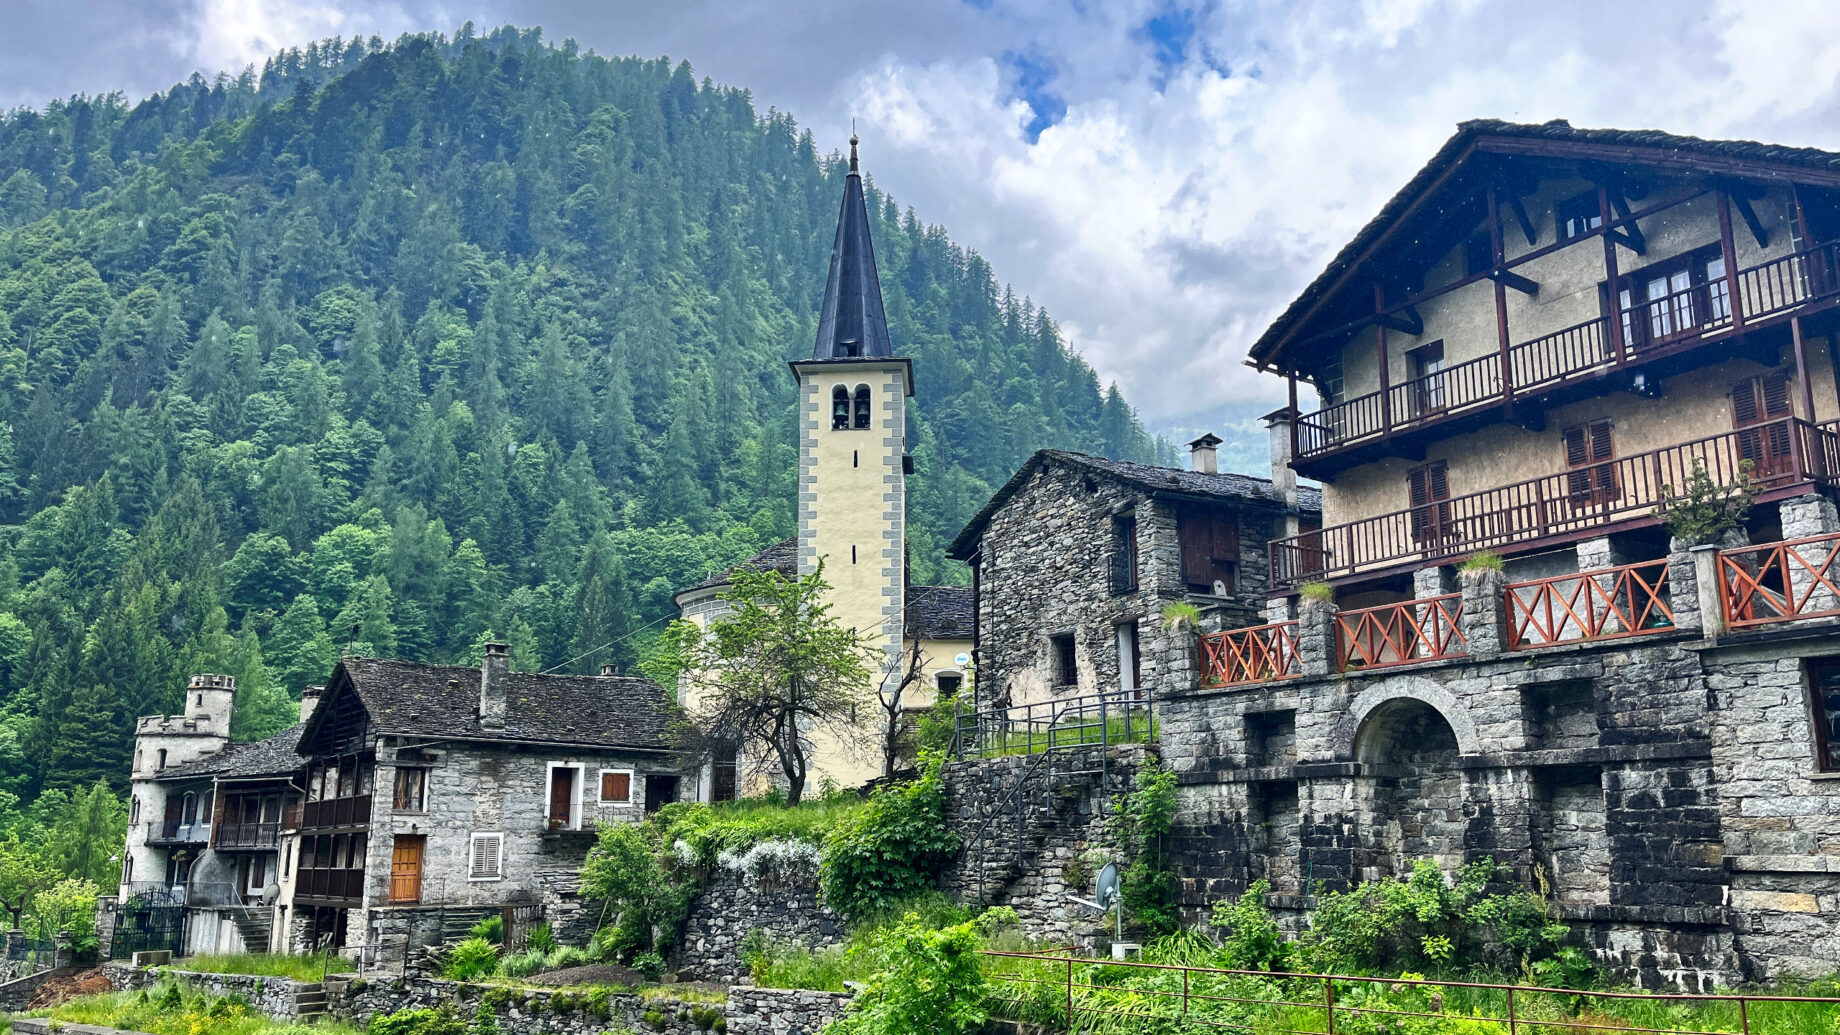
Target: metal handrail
[{"x": 1054, "y": 725}]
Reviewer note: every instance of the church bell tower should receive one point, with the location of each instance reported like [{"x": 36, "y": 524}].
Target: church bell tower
[{"x": 852, "y": 424}]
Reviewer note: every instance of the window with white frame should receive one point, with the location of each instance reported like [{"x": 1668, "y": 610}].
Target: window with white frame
[
  {"x": 616, "y": 786},
  {"x": 487, "y": 858}
]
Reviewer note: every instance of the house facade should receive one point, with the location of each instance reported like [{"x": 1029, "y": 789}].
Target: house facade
[
  {"x": 412, "y": 801},
  {"x": 1075, "y": 558},
  {"x": 1533, "y": 353}
]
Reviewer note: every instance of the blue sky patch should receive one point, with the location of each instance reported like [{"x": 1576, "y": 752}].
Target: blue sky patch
[{"x": 1030, "y": 77}]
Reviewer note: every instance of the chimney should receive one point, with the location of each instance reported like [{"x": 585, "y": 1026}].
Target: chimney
[
  {"x": 493, "y": 674},
  {"x": 1283, "y": 478},
  {"x": 309, "y": 699},
  {"x": 1202, "y": 456},
  {"x": 610, "y": 670}
]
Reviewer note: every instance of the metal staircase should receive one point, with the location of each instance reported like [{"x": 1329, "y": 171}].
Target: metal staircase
[{"x": 1069, "y": 745}]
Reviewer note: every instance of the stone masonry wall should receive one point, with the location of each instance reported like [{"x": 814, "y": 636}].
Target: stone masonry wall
[
  {"x": 778, "y": 1011},
  {"x": 1046, "y": 571},
  {"x": 1664, "y": 787},
  {"x": 733, "y": 904},
  {"x": 1025, "y": 863},
  {"x": 270, "y": 996}
]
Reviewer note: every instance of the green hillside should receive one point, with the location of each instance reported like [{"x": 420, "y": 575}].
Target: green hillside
[{"x": 440, "y": 340}]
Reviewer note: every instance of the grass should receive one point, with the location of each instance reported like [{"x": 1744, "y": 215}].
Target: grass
[
  {"x": 1118, "y": 729},
  {"x": 1114, "y": 999},
  {"x": 262, "y": 964},
  {"x": 160, "y": 1012}
]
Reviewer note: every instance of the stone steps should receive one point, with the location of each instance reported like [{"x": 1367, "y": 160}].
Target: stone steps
[{"x": 310, "y": 1002}]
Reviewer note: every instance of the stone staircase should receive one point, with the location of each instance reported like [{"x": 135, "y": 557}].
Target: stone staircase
[
  {"x": 255, "y": 925},
  {"x": 1048, "y": 804},
  {"x": 457, "y": 922},
  {"x": 309, "y": 1002}
]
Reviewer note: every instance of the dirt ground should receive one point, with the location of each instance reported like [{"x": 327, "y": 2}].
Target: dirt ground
[
  {"x": 59, "y": 989},
  {"x": 592, "y": 974}
]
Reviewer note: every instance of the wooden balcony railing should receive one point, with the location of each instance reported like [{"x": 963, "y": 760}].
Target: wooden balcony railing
[
  {"x": 248, "y": 835},
  {"x": 1650, "y": 327},
  {"x": 1780, "y": 453},
  {"x": 1397, "y": 634},
  {"x": 1255, "y": 655},
  {"x": 353, "y": 811},
  {"x": 331, "y": 885},
  {"x": 1631, "y": 600},
  {"x": 1779, "y": 582}
]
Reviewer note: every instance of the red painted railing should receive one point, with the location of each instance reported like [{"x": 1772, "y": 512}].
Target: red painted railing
[
  {"x": 1631, "y": 600},
  {"x": 1256, "y": 655},
  {"x": 1401, "y": 633},
  {"x": 1780, "y": 582}
]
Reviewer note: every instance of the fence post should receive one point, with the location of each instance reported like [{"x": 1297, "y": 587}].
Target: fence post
[
  {"x": 1329, "y": 1003},
  {"x": 1185, "y": 991},
  {"x": 1510, "y": 1011},
  {"x": 1070, "y": 993},
  {"x": 1744, "y": 1015}
]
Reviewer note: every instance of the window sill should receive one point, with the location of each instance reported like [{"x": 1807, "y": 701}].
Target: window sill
[
  {"x": 483, "y": 880},
  {"x": 618, "y": 804}
]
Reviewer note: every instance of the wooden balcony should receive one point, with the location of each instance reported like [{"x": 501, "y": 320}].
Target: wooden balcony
[
  {"x": 1650, "y": 330},
  {"x": 1256, "y": 655},
  {"x": 317, "y": 886},
  {"x": 336, "y": 813},
  {"x": 248, "y": 835},
  {"x": 1587, "y": 501},
  {"x": 1631, "y": 600},
  {"x": 1780, "y": 582},
  {"x": 1424, "y": 629}
]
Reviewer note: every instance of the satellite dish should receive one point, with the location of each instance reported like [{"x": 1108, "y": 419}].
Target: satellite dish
[
  {"x": 1108, "y": 893},
  {"x": 270, "y": 894}
]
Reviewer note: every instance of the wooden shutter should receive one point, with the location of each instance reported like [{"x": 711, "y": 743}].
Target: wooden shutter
[
  {"x": 486, "y": 849},
  {"x": 1590, "y": 452},
  {"x": 1762, "y": 400},
  {"x": 616, "y": 786},
  {"x": 1427, "y": 485},
  {"x": 1195, "y": 538}
]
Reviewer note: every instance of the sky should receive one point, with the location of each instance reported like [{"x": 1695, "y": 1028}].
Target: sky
[{"x": 1163, "y": 177}]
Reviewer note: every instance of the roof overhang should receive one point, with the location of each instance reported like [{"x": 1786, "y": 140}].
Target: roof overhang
[{"x": 803, "y": 368}]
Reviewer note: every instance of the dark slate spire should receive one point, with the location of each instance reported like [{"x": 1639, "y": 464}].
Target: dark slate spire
[{"x": 852, "y": 325}]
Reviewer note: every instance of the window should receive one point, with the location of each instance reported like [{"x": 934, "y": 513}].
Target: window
[
  {"x": 127, "y": 870},
  {"x": 1824, "y": 705},
  {"x": 564, "y": 794},
  {"x": 840, "y": 408},
  {"x": 1130, "y": 661},
  {"x": 411, "y": 789},
  {"x": 862, "y": 406},
  {"x": 947, "y": 685},
  {"x": 1428, "y": 488},
  {"x": 1478, "y": 253},
  {"x": 162, "y": 759},
  {"x": 1124, "y": 555},
  {"x": 134, "y": 810},
  {"x": 1329, "y": 385},
  {"x": 190, "y": 814},
  {"x": 1066, "y": 662},
  {"x": 1578, "y": 215},
  {"x": 725, "y": 772},
  {"x": 616, "y": 786},
  {"x": 1208, "y": 540},
  {"x": 1679, "y": 296},
  {"x": 487, "y": 857},
  {"x": 1427, "y": 364},
  {"x": 1589, "y": 450},
  {"x": 1758, "y": 405}
]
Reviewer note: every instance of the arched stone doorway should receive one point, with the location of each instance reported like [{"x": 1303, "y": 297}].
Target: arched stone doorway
[{"x": 1415, "y": 791}]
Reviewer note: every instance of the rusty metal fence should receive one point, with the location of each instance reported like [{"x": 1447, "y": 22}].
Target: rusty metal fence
[{"x": 1091, "y": 995}]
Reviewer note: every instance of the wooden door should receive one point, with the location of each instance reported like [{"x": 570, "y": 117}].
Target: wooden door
[
  {"x": 171, "y": 827},
  {"x": 561, "y": 797},
  {"x": 406, "y": 868},
  {"x": 1759, "y": 412}
]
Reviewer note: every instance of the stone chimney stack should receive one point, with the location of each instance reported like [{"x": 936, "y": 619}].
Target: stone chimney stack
[
  {"x": 309, "y": 700},
  {"x": 1283, "y": 478},
  {"x": 1203, "y": 455},
  {"x": 494, "y": 673},
  {"x": 610, "y": 670}
]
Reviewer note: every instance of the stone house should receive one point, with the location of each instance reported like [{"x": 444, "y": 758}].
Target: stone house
[
  {"x": 1075, "y": 557},
  {"x": 412, "y": 801},
  {"x": 204, "y": 821},
  {"x": 1529, "y": 353},
  {"x": 436, "y": 795}
]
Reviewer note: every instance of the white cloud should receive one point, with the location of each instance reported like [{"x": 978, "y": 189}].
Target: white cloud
[{"x": 229, "y": 34}]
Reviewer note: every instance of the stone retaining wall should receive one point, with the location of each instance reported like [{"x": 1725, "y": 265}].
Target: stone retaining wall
[
  {"x": 270, "y": 996},
  {"x": 780, "y": 1011},
  {"x": 733, "y": 904}
]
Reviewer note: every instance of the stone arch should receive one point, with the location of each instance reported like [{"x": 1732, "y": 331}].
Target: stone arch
[{"x": 1415, "y": 688}]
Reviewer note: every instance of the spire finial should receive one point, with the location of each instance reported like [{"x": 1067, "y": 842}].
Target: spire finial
[{"x": 853, "y": 142}]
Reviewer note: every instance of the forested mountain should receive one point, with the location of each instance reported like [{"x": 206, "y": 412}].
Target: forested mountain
[{"x": 437, "y": 341}]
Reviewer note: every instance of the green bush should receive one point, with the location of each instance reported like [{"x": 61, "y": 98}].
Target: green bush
[
  {"x": 540, "y": 939},
  {"x": 439, "y": 1021},
  {"x": 1139, "y": 827},
  {"x": 926, "y": 982},
  {"x": 650, "y": 964},
  {"x": 492, "y": 929},
  {"x": 894, "y": 849},
  {"x": 473, "y": 958},
  {"x": 1250, "y": 939}
]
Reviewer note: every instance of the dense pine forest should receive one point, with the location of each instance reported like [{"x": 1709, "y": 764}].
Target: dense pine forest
[{"x": 395, "y": 348}]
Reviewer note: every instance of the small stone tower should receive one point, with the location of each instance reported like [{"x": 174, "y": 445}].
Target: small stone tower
[
  {"x": 853, "y": 451},
  {"x": 201, "y": 728}
]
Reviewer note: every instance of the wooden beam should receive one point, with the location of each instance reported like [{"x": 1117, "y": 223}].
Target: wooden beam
[
  {"x": 1749, "y": 214},
  {"x": 1660, "y": 158},
  {"x": 1801, "y": 369},
  {"x": 1405, "y": 321},
  {"x": 1610, "y": 279},
  {"x": 1730, "y": 253},
  {"x": 1524, "y": 285},
  {"x": 1520, "y": 216},
  {"x": 1628, "y": 233},
  {"x": 1386, "y": 397},
  {"x": 1501, "y": 294}
]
